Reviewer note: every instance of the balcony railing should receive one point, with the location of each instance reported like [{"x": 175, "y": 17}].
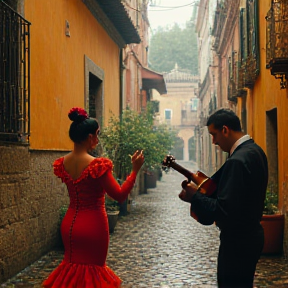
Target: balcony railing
[
  {"x": 232, "y": 91},
  {"x": 14, "y": 76},
  {"x": 240, "y": 80},
  {"x": 248, "y": 59},
  {"x": 189, "y": 118},
  {"x": 219, "y": 22},
  {"x": 276, "y": 41},
  {"x": 237, "y": 73},
  {"x": 212, "y": 105},
  {"x": 203, "y": 120},
  {"x": 251, "y": 71}
]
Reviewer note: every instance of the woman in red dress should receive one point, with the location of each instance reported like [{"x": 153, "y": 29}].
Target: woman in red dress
[{"x": 84, "y": 229}]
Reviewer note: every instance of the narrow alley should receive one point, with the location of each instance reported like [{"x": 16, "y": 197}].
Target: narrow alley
[{"x": 159, "y": 245}]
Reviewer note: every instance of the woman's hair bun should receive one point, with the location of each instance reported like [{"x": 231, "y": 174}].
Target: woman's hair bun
[{"x": 77, "y": 114}]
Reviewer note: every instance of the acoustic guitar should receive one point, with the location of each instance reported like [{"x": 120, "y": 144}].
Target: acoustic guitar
[{"x": 207, "y": 185}]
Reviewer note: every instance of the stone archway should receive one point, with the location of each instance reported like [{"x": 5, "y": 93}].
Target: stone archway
[{"x": 186, "y": 134}]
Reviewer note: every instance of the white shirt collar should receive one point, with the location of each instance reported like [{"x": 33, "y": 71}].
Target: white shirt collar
[{"x": 239, "y": 142}]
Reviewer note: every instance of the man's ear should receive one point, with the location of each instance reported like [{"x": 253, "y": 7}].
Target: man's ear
[{"x": 225, "y": 129}]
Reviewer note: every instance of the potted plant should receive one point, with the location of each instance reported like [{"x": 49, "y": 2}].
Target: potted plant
[
  {"x": 272, "y": 222},
  {"x": 112, "y": 210}
]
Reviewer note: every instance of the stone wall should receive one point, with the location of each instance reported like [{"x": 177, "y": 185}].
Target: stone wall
[
  {"x": 30, "y": 198},
  {"x": 285, "y": 212},
  {"x": 285, "y": 237}
]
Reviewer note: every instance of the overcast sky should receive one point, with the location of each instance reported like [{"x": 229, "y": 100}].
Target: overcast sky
[{"x": 162, "y": 15}]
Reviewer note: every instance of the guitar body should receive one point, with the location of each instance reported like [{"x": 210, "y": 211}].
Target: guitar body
[{"x": 207, "y": 185}]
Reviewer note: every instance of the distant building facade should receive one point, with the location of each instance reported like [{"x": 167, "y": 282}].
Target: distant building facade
[
  {"x": 178, "y": 108},
  {"x": 138, "y": 80}
]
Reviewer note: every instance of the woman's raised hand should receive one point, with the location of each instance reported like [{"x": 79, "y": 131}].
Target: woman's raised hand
[{"x": 137, "y": 160}]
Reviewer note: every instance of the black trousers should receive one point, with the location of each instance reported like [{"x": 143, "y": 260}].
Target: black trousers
[{"x": 239, "y": 253}]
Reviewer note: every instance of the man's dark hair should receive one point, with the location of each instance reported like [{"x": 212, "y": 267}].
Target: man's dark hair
[{"x": 224, "y": 117}]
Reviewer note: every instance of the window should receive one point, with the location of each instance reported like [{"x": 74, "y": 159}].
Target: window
[
  {"x": 194, "y": 104},
  {"x": 15, "y": 76},
  {"x": 184, "y": 114},
  {"x": 168, "y": 114}
]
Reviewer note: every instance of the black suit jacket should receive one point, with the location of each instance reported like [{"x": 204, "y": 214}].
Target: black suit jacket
[{"x": 238, "y": 201}]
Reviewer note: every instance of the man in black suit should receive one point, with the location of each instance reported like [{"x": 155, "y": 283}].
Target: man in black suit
[{"x": 236, "y": 206}]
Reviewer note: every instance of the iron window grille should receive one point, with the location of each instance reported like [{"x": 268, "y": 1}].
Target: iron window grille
[{"x": 14, "y": 76}]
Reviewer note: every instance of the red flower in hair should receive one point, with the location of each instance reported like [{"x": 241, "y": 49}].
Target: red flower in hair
[{"x": 77, "y": 114}]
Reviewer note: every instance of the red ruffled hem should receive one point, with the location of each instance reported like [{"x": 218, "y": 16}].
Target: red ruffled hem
[{"x": 71, "y": 275}]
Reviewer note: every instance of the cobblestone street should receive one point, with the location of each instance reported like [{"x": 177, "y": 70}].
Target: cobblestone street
[{"x": 159, "y": 245}]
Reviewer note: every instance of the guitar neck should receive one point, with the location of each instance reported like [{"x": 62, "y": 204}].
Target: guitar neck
[{"x": 183, "y": 171}]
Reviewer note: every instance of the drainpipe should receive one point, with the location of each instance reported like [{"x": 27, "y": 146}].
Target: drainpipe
[
  {"x": 137, "y": 7},
  {"x": 121, "y": 72},
  {"x": 221, "y": 102},
  {"x": 220, "y": 82}
]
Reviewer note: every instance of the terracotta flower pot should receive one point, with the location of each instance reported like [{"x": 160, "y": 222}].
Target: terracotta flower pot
[{"x": 273, "y": 226}]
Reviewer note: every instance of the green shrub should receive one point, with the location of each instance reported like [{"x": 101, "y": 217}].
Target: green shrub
[
  {"x": 111, "y": 204},
  {"x": 62, "y": 211},
  {"x": 134, "y": 131},
  {"x": 271, "y": 200}
]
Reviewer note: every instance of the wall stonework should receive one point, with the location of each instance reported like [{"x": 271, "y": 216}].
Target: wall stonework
[
  {"x": 30, "y": 198},
  {"x": 285, "y": 204},
  {"x": 285, "y": 237}
]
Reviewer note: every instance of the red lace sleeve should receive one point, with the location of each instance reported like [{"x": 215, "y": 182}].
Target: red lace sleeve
[
  {"x": 113, "y": 189},
  {"x": 99, "y": 166},
  {"x": 58, "y": 168}
]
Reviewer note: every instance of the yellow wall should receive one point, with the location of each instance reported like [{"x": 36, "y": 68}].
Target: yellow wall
[
  {"x": 265, "y": 96},
  {"x": 57, "y": 67}
]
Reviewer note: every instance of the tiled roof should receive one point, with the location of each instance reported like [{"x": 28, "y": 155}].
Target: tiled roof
[{"x": 119, "y": 17}]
